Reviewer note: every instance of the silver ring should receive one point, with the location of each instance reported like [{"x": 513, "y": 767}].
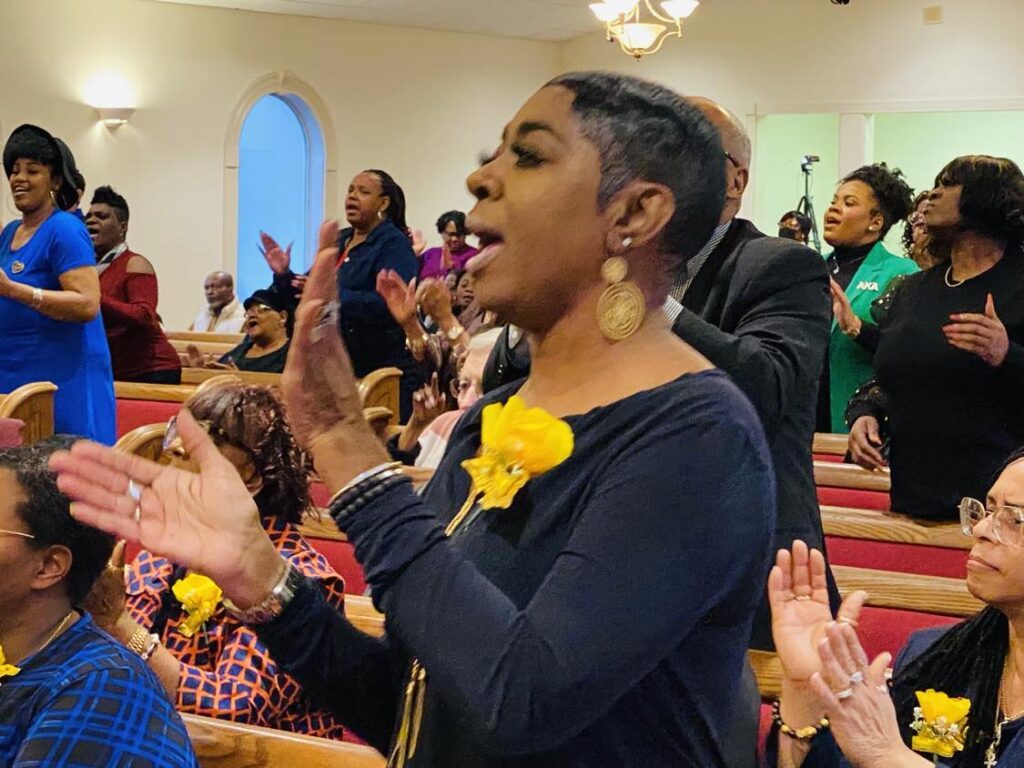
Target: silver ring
[
  {"x": 857, "y": 678},
  {"x": 801, "y": 598},
  {"x": 137, "y": 514},
  {"x": 883, "y": 689},
  {"x": 846, "y": 620},
  {"x": 844, "y": 694},
  {"x": 134, "y": 491}
]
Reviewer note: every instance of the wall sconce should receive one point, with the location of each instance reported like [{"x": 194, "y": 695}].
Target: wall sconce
[{"x": 114, "y": 117}]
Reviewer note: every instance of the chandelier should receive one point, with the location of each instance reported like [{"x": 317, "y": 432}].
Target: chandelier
[{"x": 624, "y": 22}]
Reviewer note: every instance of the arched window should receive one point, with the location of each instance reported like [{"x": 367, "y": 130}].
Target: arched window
[{"x": 280, "y": 185}]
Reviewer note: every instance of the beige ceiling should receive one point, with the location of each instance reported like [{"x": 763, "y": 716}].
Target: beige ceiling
[{"x": 534, "y": 19}]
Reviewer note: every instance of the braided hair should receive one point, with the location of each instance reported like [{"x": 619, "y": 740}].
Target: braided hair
[
  {"x": 395, "y": 212},
  {"x": 968, "y": 657},
  {"x": 253, "y": 419}
]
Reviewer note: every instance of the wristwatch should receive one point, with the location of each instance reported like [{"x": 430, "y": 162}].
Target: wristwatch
[
  {"x": 455, "y": 332},
  {"x": 274, "y": 603}
]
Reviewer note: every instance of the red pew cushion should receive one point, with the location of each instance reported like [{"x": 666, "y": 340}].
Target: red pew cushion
[
  {"x": 132, "y": 414},
  {"x": 901, "y": 558},
  {"x": 887, "y": 629},
  {"x": 831, "y": 457},
  {"x": 848, "y": 497},
  {"x": 342, "y": 558}
]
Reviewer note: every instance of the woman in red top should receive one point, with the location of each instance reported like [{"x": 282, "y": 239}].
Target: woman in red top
[{"x": 139, "y": 350}]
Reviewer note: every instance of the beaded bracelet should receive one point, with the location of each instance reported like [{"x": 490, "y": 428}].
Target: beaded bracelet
[
  {"x": 363, "y": 477},
  {"x": 800, "y": 734},
  {"x": 368, "y": 491}
]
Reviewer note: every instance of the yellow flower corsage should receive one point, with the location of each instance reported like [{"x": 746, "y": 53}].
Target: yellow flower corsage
[
  {"x": 199, "y": 596},
  {"x": 7, "y": 670},
  {"x": 516, "y": 444},
  {"x": 940, "y": 723}
]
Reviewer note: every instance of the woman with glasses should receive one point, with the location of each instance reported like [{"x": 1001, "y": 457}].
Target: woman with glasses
[
  {"x": 946, "y": 401},
  {"x": 220, "y": 668},
  {"x": 69, "y": 695},
  {"x": 827, "y": 674},
  {"x": 265, "y": 347}
]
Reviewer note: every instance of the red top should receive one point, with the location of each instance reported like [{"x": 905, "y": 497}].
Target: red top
[{"x": 128, "y": 302}]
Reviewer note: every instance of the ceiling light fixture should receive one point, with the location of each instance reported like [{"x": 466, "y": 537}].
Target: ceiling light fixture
[{"x": 624, "y": 22}]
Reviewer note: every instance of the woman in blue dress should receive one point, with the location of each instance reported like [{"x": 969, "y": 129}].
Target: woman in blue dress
[
  {"x": 873, "y": 724},
  {"x": 50, "y": 291}
]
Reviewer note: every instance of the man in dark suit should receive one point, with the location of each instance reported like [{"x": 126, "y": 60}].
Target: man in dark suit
[{"x": 758, "y": 307}]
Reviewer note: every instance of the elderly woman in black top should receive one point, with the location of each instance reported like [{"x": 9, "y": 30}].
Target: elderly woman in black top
[
  {"x": 377, "y": 239},
  {"x": 601, "y": 618},
  {"x": 950, "y": 362}
]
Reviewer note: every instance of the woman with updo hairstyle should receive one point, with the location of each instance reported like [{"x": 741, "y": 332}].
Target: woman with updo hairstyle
[
  {"x": 595, "y": 610},
  {"x": 222, "y": 669},
  {"x": 866, "y": 205},
  {"x": 50, "y": 291},
  {"x": 376, "y": 239},
  {"x": 947, "y": 402}
]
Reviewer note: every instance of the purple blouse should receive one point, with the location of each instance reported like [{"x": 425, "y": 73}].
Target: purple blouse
[{"x": 432, "y": 267}]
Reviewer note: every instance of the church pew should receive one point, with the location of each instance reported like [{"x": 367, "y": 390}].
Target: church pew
[
  {"x": 215, "y": 348},
  {"x": 848, "y": 485},
  {"x": 234, "y": 339},
  {"x": 225, "y": 744},
  {"x": 197, "y": 376},
  {"x": 32, "y": 404},
  {"x": 891, "y": 542},
  {"x": 829, "y": 447},
  {"x": 380, "y": 388}
]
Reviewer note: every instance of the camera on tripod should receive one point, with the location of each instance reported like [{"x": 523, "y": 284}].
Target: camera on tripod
[{"x": 808, "y": 161}]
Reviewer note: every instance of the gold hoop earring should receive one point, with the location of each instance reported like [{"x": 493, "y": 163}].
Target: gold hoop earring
[{"x": 621, "y": 308}]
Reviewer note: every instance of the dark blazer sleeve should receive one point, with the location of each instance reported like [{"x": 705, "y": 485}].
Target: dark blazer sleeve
[{"x": 777, "y": 348}]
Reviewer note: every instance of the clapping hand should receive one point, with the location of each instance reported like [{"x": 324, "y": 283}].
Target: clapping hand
[
  {"x": 435, "y": 299},
  {"x": 279, "y": 260},
  {"x": 842, "y": 310},
  {"x": 798, "y": 596},
  {"x": 399, "y": 296},
  {"x": 206, "y": 521},
  {"x": 982, "y": 335},
  {"x": 855, "y": 697}
]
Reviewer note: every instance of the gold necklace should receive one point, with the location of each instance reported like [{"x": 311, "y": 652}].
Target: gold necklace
[
  {"x": 990, "y": 753},
  {"x": 56, "y": 631}
]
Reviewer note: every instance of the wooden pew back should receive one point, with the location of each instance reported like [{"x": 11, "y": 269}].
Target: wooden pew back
[
  {"x": 381, "y": 388},
  {"x": 224, "y": 744},
  {"x": 827, "y": 473},
  {"x": 33, "y": 404},
  {"x": 874, "y": 525}
]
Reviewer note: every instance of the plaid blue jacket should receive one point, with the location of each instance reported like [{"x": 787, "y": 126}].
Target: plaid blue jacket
[{"x": 86, "y": 700}]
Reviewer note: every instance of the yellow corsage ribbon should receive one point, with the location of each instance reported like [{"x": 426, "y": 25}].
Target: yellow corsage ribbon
[
  {"x": 940, "y": 723},
  {"x": 199, "y": 596},
  {"x": 7, "y": 670},
  {"x": 516, "y": 444}
]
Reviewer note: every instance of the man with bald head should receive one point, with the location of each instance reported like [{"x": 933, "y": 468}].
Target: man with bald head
[
  {"x": 758, "y": 307},
  {"x": 223, "y": 312}
]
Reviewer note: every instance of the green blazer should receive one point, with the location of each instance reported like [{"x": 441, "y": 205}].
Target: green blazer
[{"x": 849, "y": 362}]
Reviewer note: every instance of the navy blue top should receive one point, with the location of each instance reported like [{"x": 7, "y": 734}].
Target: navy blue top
[
  {"x": 85, "y": 701},
  {"x": 371, "y": 335},
  {"x": 74, "y": 356},
  {"x": 602, "y": 620}
]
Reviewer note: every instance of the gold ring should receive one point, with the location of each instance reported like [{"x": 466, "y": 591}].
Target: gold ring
[{"x": 137, "y": 515}]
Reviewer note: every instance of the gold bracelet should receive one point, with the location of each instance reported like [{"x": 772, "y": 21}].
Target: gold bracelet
[{"x": 137, "y": 642}]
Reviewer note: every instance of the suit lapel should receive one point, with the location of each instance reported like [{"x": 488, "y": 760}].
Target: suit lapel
[{"x": 696, "y": 295}]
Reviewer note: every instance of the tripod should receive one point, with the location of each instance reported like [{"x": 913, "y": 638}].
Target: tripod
[{"x": 806, "y": 204}]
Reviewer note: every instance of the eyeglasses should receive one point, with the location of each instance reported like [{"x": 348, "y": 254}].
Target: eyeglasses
[
  {"x": 731, "y": 159},
  {"x": 172, "y": 436},
  {"x": 4, "y": 532},
  {"x": 460, "y": 386},
  {"x": 1007, "y": 521}
]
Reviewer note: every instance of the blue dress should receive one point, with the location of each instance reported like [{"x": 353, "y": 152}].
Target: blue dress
[{"x": 74, "y": 356}]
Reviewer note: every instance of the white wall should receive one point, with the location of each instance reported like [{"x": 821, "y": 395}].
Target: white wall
[
  {"x": 801, "y": 55},
  {"x": 417, "y": 103}
]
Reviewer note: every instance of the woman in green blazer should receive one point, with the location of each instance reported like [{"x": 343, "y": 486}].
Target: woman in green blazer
[{"x": 867, "y": 203}]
